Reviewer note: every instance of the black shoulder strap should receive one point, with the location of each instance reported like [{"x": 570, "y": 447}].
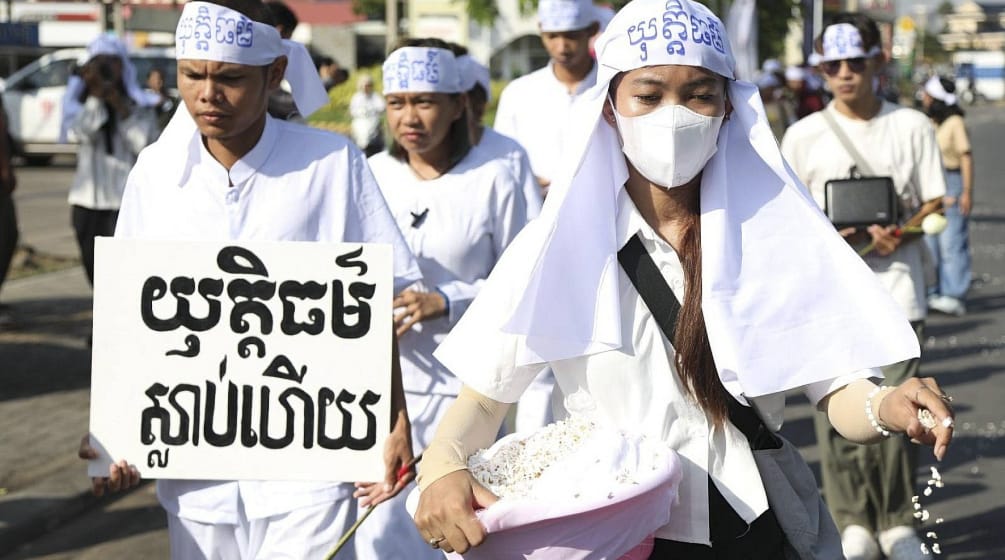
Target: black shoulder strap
[
  {"x": 660, "y": 299},
  {"x": 650, "y": 284}
]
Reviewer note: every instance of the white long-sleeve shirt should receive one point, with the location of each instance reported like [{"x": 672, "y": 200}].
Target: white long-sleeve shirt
[
  {"x": 534, "y": 110},
  {"x": 635, "y": 388},
  {"x": 296, "y": 184},
  {"x": 457, "y": 226},
  {"x": 101, "y": 175}
]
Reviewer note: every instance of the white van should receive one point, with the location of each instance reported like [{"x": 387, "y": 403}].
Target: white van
[{"x": 33, "y": 98}]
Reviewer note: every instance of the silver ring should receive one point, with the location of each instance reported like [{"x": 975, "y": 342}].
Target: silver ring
[
  {"x": 435, "y": 542},
  {"x": 946, "y": 397}
]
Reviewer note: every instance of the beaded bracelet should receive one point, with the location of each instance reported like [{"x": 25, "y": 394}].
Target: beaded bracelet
[{"x": 868, "y": 411}]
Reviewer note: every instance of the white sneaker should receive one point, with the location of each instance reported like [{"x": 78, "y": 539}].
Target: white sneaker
[
  {"x": 947, "y": 305},
  {"x": 901, "y": 543},
  {"x": 858, "y": 544}
]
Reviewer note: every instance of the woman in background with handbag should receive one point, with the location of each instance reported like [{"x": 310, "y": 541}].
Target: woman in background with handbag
[{"x": 671, "y": 171}]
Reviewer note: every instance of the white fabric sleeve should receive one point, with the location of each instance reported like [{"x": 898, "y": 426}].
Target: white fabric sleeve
[
  {"x": 509, "y": 215},
  {"x": 815, "y": 392},
  {"x": 526, "y": 179},
  {"x": 88, "y": 122},
  {"x": 373, "y": 221},
  {"x": 471, "y": 423},
  {"x": 130, "y": 218}
]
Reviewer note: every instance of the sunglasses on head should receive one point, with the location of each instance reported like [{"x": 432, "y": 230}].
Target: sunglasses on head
[{"x": 832, "y": 67}]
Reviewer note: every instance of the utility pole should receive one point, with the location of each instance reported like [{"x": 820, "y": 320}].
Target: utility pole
[{"x": 391, "y": 21}]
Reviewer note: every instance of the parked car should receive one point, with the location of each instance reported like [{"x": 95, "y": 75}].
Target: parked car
[{"x": 33, "y": 98}]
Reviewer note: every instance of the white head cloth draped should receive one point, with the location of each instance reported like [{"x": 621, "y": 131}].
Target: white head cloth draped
[
  {"x": 105, "y": 44},
  {"x": 208, "y": 31},
  {"x": 474, "y": 72},
  {"x": 421, "y": 69},
  {"x": 934, "y": 88},
  {"x": 786, "y": 301},
  {"x": 843, "y": 41},
  {"x": 566, "y": 15}
]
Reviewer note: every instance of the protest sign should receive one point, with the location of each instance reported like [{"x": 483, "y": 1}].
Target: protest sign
[{"x": 242, "y": 360}]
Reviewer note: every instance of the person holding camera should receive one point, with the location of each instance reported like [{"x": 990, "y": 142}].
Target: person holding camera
[
  {"x": 860, "y": 135},
  {"x": 104, "y": 110}
]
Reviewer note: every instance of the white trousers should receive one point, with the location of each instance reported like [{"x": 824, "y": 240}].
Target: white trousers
[
  {"x": 303, "y": 533},
  {"x": 389, "y": 532}
]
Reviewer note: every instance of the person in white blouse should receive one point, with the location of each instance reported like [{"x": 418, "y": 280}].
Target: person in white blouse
[
  {"x": 104, "y": 110},
  {"x": 225, "y": 170},
  {"x": 672, "y": 156},
  {"x": 457, "y": 213}
]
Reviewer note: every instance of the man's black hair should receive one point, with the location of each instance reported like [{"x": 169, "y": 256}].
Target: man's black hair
[{"x": 283, "y": 16}]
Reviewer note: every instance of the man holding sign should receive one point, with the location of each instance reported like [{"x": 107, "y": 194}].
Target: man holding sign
[{"x": 224, "y": 171}]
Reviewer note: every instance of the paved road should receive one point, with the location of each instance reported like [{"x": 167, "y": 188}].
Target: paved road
[{"x": 45, "y": 373}]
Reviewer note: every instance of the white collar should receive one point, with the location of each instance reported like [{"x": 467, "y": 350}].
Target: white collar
[
  {"x": 244, "y": 168},
  {"x": 586, "y": 83}
]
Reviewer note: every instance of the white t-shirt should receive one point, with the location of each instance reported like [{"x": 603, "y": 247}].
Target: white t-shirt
[
  {"x": 101, "y": 175},
  {"x": 498, "y": 146},
  {"x": 898, "y": 142},
  {"x": 296, "y": 184},
  {"x": 635, "y": 388},
  {"x": 533, "y": 110},
  {"x": 457, "y": 226}
]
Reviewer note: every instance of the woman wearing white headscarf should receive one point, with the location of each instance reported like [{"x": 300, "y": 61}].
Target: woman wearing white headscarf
[
  {"x": 672, "y": 154},
  {"x": 113, "y": 119},
  {"x": 457, "y": 212}
]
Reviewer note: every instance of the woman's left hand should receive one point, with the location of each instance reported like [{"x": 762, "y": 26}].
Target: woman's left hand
[
  {"x": 898, "y": 411},
  {"x": 415, "y": 307}
]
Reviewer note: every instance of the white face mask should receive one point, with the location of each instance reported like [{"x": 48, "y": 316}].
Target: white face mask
[{"x": 669, "y": 146}]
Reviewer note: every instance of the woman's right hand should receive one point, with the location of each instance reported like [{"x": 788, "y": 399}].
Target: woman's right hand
[
  {"x": 446, "y": 513},
  {"x": 121, "y": 475}
]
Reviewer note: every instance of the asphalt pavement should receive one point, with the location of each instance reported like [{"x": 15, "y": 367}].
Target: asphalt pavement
[{"x": 47, "y": 512}]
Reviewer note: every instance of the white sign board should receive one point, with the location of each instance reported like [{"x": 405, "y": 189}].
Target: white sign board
[{"x": 242, "y": 361}]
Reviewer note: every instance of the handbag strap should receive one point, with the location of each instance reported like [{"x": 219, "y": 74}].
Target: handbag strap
[
  {"x": 664, "y": 307},
  {"x": 860, "y": 163}
]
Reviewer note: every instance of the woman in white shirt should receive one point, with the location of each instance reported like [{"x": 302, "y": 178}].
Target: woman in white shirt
[
  {"x": 457, "y": 213},
  {"x": 113, "y": 119},
  {"x": 670, "y": 155}
]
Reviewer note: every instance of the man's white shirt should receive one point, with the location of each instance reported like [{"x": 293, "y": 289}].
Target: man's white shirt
[
  {"x": 296, "y": 184},
  {"x": 899, "y": 143},
  {"x": 534, "y": 109}
]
